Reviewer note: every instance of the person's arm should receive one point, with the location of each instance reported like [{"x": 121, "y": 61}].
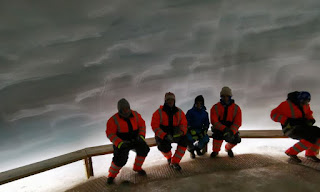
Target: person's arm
[
  {"x": 214, "y": 119},
  {"x": 183, "y": 123},
  {"x": 237, "y": 120},
  {"x": 141, "y": 126},
  {"x": 309, "y": 116},
  {"x": 206, "y": 123},
  {"x": 278, "y": 115},
  {"x": 155, "y": 124},
  {"x": 189, "y": 119},
  {"x": 111, "y": 132}
]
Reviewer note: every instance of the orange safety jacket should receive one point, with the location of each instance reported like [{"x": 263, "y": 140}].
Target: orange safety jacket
[
  {"x": 288, "y": 109},
  {"x": 160, "y": 118},
  {"x": 233, "y": 117},
  {"x": 118, "y": 129}
]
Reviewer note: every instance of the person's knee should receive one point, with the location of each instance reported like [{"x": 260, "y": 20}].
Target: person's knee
[
  {"x": 143, "y": 151},
  {"x": 183, "y": 141},
  {"x": 189, "y": 137},
  {"x": 164, "y": 147},
  {"x": 205, "y": 139},
  {"x": 120, "y": 161},
  {"x": 217, "y": 134}
]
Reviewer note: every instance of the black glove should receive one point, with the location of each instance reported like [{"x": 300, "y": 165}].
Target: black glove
[
  {"x": 141, "y": 138},
  {"x": 205, "y": 130},
  {"x": 228, "y": 135},
  {"x": 124, "y": 145},
  {"x": 310, "y": 122},
  {"x": 212, "y": 128},
  {"x": 168, "y": 138}
]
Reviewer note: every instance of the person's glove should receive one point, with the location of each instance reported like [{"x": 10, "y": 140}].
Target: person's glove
[
  {"x": 193, "y": 132},
  {"x": 124, "y": 144},
  {"x": 177, "y": 132},
  {"x": 195, "y": 137},
  {"x": 204, "y": 132},
  {"x": 141, "y": 138},
  {"x": 168, "y": 138},
  {"x": 310, "y": 122},
  {"x": 228, "y": 135}
]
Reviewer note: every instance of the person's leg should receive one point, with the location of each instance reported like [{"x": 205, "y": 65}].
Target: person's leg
[
  {"x": 179, "y": 153},
  {"x": 142, "y": 150},
  {"x": 165, "y": 148},
  {"x": 229, "y": 146},
  {"x": 309, "y": 133},
  {"x": 120, "y": 157},
  {"x": 232, "y": 144},
  {"x": 202, "y": 142},
  {"x": 191, "y": 146},
  {"x": 313, "y": 151},
  {"x": 299, "y": 147}
]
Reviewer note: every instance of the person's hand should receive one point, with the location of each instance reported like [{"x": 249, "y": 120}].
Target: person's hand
[
  {"x": 124, "y": 145},
  {"x": 228, "y": 135},
  {"x": 193, "y": 132},
  {"x": 310, "y": 122},
  {"x": 169, "y": 138},
  {"x": 141, "y": 138},
  {"x": 195, "y": 137}
]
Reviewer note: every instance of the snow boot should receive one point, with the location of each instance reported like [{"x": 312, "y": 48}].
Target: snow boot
[
  {"x": 176, "y": 166},
  {"x": 214, "y": 154},
  {"x": 110, "y": 180},
  {"x": 313, "y": 158}
]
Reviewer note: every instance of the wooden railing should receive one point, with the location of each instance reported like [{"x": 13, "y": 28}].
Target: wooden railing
[{"x": 87, "y": 154}]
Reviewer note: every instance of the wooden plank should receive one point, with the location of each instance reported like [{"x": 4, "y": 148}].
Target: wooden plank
[
  {"x": 107, "y": 149},
  {"x": 41, "y": 166},
  {"x": 262, "y": 134},
  {"x": 258, "y": 134}
]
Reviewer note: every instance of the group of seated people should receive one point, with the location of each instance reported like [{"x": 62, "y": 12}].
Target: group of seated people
[{"x": 126, "y": 129}]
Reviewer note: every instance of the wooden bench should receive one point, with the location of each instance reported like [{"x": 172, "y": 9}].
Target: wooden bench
[{"x": 87, "y": 154}]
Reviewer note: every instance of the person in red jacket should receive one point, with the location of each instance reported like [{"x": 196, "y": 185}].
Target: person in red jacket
[
  {"x": 126, "y": 130},
  {"x": 297, "y": 122},
  {"x": 170, "y": 126},
  {"x": 226, "y": 120}
]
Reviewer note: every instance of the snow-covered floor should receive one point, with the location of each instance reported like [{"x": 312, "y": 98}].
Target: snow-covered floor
[{"x": 66, "y": 177}]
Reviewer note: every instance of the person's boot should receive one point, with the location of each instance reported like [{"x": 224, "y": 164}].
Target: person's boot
[
  {"x": 313, "y": 158},
  {"x": 176, "y": 166},
  {"x": 230, "y": 153},
  {"x": 214, "y": 154},
  {"x": 199, "y": 153},
  {"x": 192, "y": 155},
  {"x": 141, "y": 172},
  {"x": 110, "y": 180},
  {"x": 169, "y": 161},
  {"x": 294, "y": 158}
]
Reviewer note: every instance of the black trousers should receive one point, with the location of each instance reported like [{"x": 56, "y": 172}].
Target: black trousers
[
  {"x": 165, "y": 146},
  {"x": 120, "y": 156},
  {"x": 309, "y": 133}
]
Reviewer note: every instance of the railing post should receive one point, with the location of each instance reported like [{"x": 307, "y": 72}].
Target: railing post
[{"x": 88, "y": 165}]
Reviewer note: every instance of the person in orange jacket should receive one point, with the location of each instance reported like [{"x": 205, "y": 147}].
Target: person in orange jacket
[
  {"x": 297, "y": 122},
  {"x": 170, "y": 126},
  {"x": 126, "y": 130},
  {"x": 226, "y": 120}
]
